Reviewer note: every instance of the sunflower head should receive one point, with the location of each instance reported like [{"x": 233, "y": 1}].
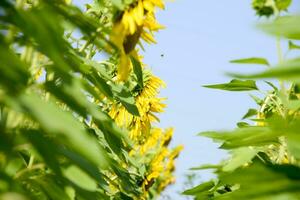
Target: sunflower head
[
  {"x": 269, "y": 7},
  {"x": 263, "y": 8}
]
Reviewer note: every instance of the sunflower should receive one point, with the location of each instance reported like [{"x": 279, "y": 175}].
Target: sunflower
[
  {"x": 137, "y": 21},
  {"x": 150, "y": 143},
  {"x": 150, "y": 147},
  {"x": 148, "y": 105}
]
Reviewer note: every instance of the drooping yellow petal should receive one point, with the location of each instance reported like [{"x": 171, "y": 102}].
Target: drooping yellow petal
[
  {"x": 124, "y": 67},
  {"x": 148, "y": 5},
  {"x": 117, "y": 35},
  {"x": 129, "y": 22},
  {"x": 151, "y": 23},
  {"x": 148, "y": 37},
  {"x": 153, "y": 175},
  {"x": 158, "y": 3},
  {"x": 138, "y": 12}
]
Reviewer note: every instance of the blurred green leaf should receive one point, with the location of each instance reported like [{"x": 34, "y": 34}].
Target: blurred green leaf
[
  {"x": 14, "y": 74},
  {"x": 248, "y": 136},
  {"x": 293, "y": 46},
  {"x": 272, "y": 85},
  {"x": 79, "y": 177},
  {"x": 285, "y": 26},
  {"x": 252, "y": 60},
  {"x": 52, "y": 188},
  {"x": 63, "y": 125},
  {"x": 242, "y": 124},
  {"x": 206, "y": 166},
  {"x": 251, "y": 112},
  {"x": 283, "y": 4},
  {"x": 235, "y": 85},
  {"x": 288, "y": 70},
  {"x": 257, "y": 100},
  {"x": 202, "y": 188},
  {"x": 240, "y": 157},
  {"x": 263, "y": 182}
]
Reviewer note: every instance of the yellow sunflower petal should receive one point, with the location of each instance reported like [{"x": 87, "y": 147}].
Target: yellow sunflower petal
[{"x": 124, "y": 67}]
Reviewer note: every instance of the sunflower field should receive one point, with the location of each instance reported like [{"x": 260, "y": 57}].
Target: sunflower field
[
  {"x": 78, "y": 104},
  {"x": 79, "y": 108}
]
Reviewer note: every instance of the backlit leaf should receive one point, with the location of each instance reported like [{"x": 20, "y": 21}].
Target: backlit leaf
[
  {"x": 235, "y": 85},
  {"x": 252, "y": 60}
]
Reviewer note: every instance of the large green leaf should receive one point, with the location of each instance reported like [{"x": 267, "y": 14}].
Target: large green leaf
[
  {"x": 263, "y": 182},
  {"x": 14, "y": 75},
  {"x": 286, "y": 26},
  {"x": 247, "y": 136},
  {"x": 63, "y": 125},
  {"x": 80, "y": 178},
  {"x": 52, "y": 188},
  {"x": 240, "y": 157},
  {"x": 288, "y": 70}
]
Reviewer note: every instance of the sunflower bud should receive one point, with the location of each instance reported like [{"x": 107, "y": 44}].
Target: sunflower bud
[{"x": 269, "y": 7}]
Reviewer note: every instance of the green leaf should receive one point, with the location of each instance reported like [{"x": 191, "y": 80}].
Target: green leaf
[
  {"x": 63, "y": 125},
  {"x": 264, "y": 182},
  {"x": 288, "y": 70},
  {"x": 14, "y": 75},
  {"x": 293, "y": 46},
  {"x": 242, "y": 124},
  {"x": 79, "y": 177},
  {"x": 137, "y": 68},
  {"x": 283, "y": 4},
  {"x": 71, "y": 94},
  {"x": 101, "y": 84},
  {"x": 272, "y": 86},
  {"x": 240, "y": 157},
  {"x": 293, "y": 105},
  {"x": 46, "y": 148},
  {"x": 286, "y": 26},
  {"x": 206, "y": 166},
  {"x": 235, "y": 85},
  {"x": 52, "y": 188},
  {"x": 248, "y": 136},
  {"x": 88, "y": 167},
  {"x": 293, "y": 138},
  {"x": 251, "y": 112},
  {"x": 119, "y": 4},
  {"x": 252, "y": 60},
  {"x": 82, "y": 194},
  {"x": 125, "y": 97},
  {"x": 51, "y": 151},
  {"x": 200, "y": 188},
  {"x": 257, "y": 100},
  {"x": 12, "y": 195},
  {"x": 127, "y": 183}
]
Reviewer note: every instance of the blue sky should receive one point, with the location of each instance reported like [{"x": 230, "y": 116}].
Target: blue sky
[{"x": 200, "y": 38}]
